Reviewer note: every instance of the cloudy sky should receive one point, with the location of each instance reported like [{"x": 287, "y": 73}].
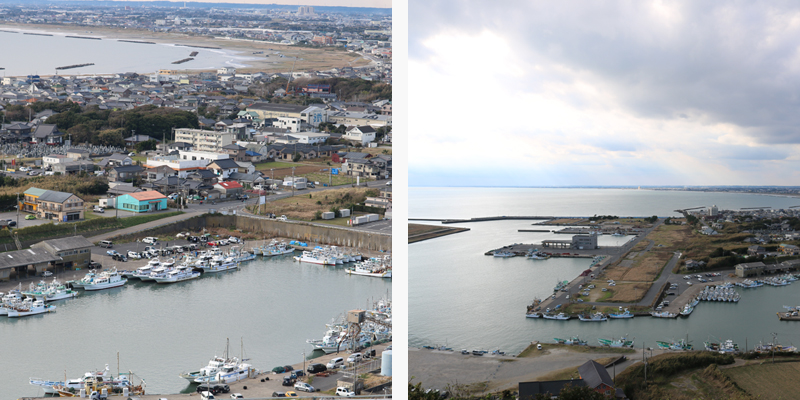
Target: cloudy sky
[{"x": 534, "y": 93}]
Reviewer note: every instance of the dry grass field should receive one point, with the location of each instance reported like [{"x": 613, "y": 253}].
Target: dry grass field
[
  {"x": 305, "y": 205},
  {"x": 768, "y": 381}
]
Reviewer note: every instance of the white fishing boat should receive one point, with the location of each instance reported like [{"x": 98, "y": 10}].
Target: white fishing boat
[
  {"x": 276, "y": 248},
  {"x": 559, "y": 316},
  {"x": 316, "y": 256},
  {"x": 210, "y": 370},
  {"x": 60, "y": 293},
  {"x": 30, "y": 307},
  {"x": 179, "y": 274},
  {"x": 77, "y": 384},
  {"x": 143, "y": 273},
  {"x": 106, "y": 280},
  {"x": 217, "y": 263},
  {"x": 504, "y": 254}
]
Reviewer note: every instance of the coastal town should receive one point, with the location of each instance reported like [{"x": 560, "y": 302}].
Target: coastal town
[
  {"x": 657, "y": 269},
  {"x": 190, "y": 180}
]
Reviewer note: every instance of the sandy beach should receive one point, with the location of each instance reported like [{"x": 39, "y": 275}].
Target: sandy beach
[{"x": 308, "y": 59}]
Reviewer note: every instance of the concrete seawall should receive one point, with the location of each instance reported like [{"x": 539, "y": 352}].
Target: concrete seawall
[{"x": 331, "y": 235}]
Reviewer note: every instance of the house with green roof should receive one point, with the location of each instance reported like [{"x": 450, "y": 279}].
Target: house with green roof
[{"x": 28, "y": 203}]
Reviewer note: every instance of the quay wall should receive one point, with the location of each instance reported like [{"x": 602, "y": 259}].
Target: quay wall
[{"x": 330, "y": 235}]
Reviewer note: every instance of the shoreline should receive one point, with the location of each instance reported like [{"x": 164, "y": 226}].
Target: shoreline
[{"x": 309, "y": 59}]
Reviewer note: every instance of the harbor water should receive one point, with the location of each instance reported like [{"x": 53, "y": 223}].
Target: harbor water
[
  {"x": 269, "y": 307},
  {"x": 492, "y": 316}
]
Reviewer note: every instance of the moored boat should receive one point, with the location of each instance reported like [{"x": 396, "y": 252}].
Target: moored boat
[{"x": 621, "y": 342}]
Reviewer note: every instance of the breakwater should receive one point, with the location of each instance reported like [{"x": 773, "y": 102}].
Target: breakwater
[
  {"x": 84, "y": 37},
  {"x": 198, "y": 47},
  {"x": 75, "y": 66},
  {"x": 307, "y": 232},
  {"x": 183, "y": 60},
  {"x": 36, "y": 34},
  {"x": 134, "y": 41}
]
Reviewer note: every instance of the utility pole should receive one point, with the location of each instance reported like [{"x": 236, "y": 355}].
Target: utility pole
[
  {"x": 774, "y": 336},
  {"x": 17, "y": 209}
]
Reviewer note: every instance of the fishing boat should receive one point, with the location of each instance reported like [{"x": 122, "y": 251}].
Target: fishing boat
[
  {"x": 559, "y": 316},
  {"x": 504, "y": 254},
  {"x": 621, "y": 342},
  {"x": 560, "y": 285},
  {"x": 596, "y": 317},
  {"x": 106, "y": 280},
  {"x": 673, "y": 345},
  {"x": 663, "y": 314},
  {"x": 316, "y": 256},
  {"x": 217, "y": 263},
  {"x": 179, "y": 274},
  {"x": 232, "y": 370},
  {"x": 687, "y": 309},
  {"x": 621, "y": 315},
  {"x": 535, "y": 254},
  {"x": 30, "y": 307},
  {"x": 74, "y": 385},
  {"x": 725, "y": 347},
  {"x": 574, "y": 341}
]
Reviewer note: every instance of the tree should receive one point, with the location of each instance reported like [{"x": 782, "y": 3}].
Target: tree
[{"x": 146, "y": 145}]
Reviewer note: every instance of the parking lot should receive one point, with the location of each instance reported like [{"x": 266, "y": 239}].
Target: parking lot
[
  {"x": 12, "y": 215},
  {"x": 382, "y": 226}
]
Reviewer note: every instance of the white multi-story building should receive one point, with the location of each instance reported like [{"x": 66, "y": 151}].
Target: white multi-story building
[
  {"x": 310, "y": 137},
  {"x": 202, "y": 140},
  {"x": 185, "y": 162}
]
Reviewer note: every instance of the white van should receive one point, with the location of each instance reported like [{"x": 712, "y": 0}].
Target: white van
[
  {"x": 335, "y": 363},
  {"x": 106, "y": 243},
  {"x": 354, "y": 358}
]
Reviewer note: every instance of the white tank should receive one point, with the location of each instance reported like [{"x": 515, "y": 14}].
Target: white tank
[{"x": 386, "y": 363}]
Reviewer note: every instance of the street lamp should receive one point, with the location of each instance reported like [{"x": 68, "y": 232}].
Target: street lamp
[
  {"x": 293, "y": 181},
  {"x": 304, "y": 361}
]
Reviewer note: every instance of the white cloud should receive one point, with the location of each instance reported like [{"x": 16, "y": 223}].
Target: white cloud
[{"x": 681, "y": 94}]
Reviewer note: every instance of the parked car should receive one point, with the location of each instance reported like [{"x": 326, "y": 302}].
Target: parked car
[
  {"x": 290, "y": 394},
  {"x": 207, "y": 396},
  {"x": 46, "y": 274},
  {"x": 150, "y": 240},
  {"x": 30, "y": 217},
  {"x": 222, "y": 242},
  {"x": 355, "y": 357},
  {"x": 237, "y": 396},
  {"x": 11, "y": 222},
  {"x": 95, "y": 265},
  {"x": 134, "y": 255},
  {"x": 288, "y": 381},
  {"x": 278, "y": 394},
  {"x": 111, "y": 252},
  {"x": 98, "y": 209},
  {"x": 234, "y": 239},
  {"x": 316, "y": 367},
  {"x": 343, "y": 391},
  {"x": 304, "y": 387}
]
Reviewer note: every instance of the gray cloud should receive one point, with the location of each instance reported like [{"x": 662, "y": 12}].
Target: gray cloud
[{"x": 736, "y": 63}]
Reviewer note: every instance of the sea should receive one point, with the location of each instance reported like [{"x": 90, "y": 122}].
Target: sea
[
  {"x": 41, "y": 55},
  {"x": 460, "y": 298},
  {"x": 266, "y": 310}
]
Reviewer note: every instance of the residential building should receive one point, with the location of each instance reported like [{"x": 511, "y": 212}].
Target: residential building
[
  {"x": 349, "y": 118},
  {"x": 52, "y": 159},
  {"x": 49, "y": 134},
  {"x": 203, "y": 140},
  {"x": 125, "y": 173},
  {"x": 310, "y": 137},
  {"x": 59, "y": 206},
  {"x": 229, "y": 189},
  {"x": 360, "y": 134},
  {"x": 223, "y": 168},
  {"x": 185, "y": 162},
  {"x": 29, "y": 199},
  {"x": 142, "y": 201}
]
